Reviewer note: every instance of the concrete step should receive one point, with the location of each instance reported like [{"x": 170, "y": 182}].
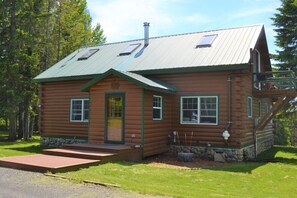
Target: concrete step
[{"x": 84, "y": 154}]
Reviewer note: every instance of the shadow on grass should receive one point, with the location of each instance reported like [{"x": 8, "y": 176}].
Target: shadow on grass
[
  {"x": 18, "y": 142},
  {"x": 30, "y": 149},
  {"x": 277, "y": 154},
  {"x": 288, "y": 155}
]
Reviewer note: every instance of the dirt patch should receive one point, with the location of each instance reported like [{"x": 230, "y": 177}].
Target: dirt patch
[{"x": 171, "y": 161}]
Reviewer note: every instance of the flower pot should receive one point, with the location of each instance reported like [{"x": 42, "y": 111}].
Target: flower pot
[{"x": 185, "y": 157}]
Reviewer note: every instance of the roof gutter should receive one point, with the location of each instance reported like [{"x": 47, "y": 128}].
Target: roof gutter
[
  {"x": 155, "y": 71},
  {"x": 244, "y": 66}
]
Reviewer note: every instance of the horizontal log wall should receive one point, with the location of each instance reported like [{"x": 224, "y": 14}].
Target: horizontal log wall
[
  {"x": 133, "y": 108},
  {"x": 55, "y": 109},
  {"x": 156, "y": 131},
  {"x": 267, "y": 132},
  {"x": 214, "y": 83}
]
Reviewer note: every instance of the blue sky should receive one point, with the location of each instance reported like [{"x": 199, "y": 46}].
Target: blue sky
[{"x": 123, "y": 19}]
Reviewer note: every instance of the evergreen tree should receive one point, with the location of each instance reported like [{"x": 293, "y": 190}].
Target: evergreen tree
[
  {"x": 285, "y": 22},
  {"x": 97, "y": 36},
  {"x": 35, "y": 34}
]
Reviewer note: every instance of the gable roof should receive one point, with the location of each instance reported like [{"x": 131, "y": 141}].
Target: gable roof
[
  {"x": 231, "y": 48},
  {"x": 131, "y": 77}
]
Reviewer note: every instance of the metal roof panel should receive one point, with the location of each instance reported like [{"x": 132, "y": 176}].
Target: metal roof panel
[{"x": 231, "y": 47}]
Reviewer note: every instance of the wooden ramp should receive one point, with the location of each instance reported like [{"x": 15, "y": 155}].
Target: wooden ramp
[{"x": 72, "y": 157}]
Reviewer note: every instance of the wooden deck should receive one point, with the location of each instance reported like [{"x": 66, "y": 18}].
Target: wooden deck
[
  {"x": 72, "y": 157},
  {"x": 44, "y": 163},
  {"x": 274, "y": 93}
]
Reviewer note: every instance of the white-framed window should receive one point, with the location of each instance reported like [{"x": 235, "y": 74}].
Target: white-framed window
[
  {"x": 199, "y": 110},
  {"x": 249, "y": 107},
  {"x": 157, "y": 107},
  {"x": 79, "y": 110}
]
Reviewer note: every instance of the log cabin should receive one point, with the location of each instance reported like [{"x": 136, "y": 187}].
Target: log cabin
[{"x": 212, "y": 92}]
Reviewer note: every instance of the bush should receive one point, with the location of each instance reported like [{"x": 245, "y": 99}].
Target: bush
[
  {"x": 284, "y": 131},
  {"x": 2, "y": 124}
]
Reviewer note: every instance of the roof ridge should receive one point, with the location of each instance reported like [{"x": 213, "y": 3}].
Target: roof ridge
[{"x": 172, "y": 35}]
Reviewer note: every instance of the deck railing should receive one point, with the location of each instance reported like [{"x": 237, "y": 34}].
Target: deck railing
[{"x": 280, "y": 80}]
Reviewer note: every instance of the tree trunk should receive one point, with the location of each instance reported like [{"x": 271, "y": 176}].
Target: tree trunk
[
  {"x": 21, "y": 124},
  {"x": 31, "y": 126},
  {"x": 12, "y": 48},
  {"x": 12, "y": 127},
  {"x": 6, "y": 124}
]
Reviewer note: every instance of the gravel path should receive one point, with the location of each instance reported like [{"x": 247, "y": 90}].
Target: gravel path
[{"x": 24, "y": 184}]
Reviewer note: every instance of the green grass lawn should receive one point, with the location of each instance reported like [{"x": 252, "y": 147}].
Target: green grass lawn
[
  {"x": 20, "y": 147},
  {"x": 277, "y": 179},
  {"x": 253, "y": 179}
]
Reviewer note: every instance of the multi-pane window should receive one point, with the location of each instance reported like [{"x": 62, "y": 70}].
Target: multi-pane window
[
  {"x": 199, "y": 110},
  {"x": 79, "y": 110},
  {"x": 157, "y": 107},
  {"x": 250, "y": 107}
]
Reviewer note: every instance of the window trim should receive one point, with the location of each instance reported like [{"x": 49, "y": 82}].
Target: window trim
[
  {"x": 82, "y": 109},
  {"x": 131, "y": 49},
  {"x": 249, "y": 104},
  {"x": 199, "y": 109},
  {"x": 202, "y": 42},
  {"x": 161, "y": 108},
  {"x": 88, "y": 54}
]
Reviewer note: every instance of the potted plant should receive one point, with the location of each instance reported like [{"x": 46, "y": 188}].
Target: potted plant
[{"x": 188, "y": 155}]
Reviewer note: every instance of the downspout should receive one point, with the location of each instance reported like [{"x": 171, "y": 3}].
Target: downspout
[
  {"x": 229, "y": 102},
  {"x": 229, "y": 106},
  {"x": 254, "y": 125},
  {"x": 142, "y": 123}
]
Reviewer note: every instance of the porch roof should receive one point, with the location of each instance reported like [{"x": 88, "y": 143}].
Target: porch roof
[{"x": 150, "y": 84}]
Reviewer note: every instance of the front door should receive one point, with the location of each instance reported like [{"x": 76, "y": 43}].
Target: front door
[{"x": 115, "y": 118}]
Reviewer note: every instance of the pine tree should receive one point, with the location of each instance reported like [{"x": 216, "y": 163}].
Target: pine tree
[
  {"x": 33, "y": 35},
  {"x": 97, "y": 36},
  {"x": 285, "y": 22}
]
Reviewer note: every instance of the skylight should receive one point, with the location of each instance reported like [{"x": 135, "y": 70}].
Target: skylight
[
  {"x": 206, "y": 40},
  {"x": 131, "y": 48},
  {"x": 88, "y": 54}
]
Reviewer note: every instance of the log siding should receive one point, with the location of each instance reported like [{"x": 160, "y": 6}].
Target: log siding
[{"x": 55, "y": 99}]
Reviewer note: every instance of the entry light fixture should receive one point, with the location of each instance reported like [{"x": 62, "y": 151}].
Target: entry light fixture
[{"x": 226, "y": 135}]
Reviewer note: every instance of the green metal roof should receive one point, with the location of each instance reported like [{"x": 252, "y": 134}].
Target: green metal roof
[
  {"x": 165, "y": 54},
  {"x": 131, "y": 77}
]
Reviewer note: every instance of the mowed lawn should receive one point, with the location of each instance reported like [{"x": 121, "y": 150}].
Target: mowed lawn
[
  {"x": 252, "y": 179},
  {"x": 19, "y": 147}
]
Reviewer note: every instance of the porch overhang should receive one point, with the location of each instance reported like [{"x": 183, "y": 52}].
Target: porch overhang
[{"x": 137, "y": 79}]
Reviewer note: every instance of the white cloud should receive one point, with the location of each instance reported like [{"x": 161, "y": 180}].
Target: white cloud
[{"x": 123, "y": 20}]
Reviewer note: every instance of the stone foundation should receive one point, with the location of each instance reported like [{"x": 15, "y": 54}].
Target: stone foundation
[
  {"x": 224, "y": 154},
  {"x": 264, "y": 145},
  {"x": 59, "y": 141}
]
